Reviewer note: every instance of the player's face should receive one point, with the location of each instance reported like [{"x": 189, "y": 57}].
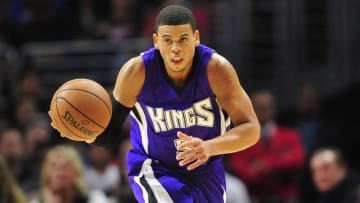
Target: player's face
[{"x": 176, "y": 44}]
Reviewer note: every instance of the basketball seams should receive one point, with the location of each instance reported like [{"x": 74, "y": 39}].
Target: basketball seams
[
  {"x": 77, "y": 89},
  {"x": 78, "y": 110}
]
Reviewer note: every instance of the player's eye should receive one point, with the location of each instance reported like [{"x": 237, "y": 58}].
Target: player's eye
[
  {"x": 167, "y": 41},
  {"x": 183, "y": 40}
]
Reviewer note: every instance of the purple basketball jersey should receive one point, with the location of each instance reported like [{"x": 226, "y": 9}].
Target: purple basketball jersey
[{"x": 160, "y": 111}]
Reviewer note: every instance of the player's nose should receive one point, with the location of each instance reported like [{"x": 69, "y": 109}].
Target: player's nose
[{"x": 175, "y": 48}]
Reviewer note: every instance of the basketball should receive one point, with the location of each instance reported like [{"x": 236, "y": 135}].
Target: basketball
[{"x": 80, "y": 109}]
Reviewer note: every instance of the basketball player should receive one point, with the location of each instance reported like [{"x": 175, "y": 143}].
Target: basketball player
[{"x": 182, "y": 97}]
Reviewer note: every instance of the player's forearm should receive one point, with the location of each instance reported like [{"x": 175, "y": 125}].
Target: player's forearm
[
  {"x": 110, "y": 140},
  {"x": 236, "y": 139}
]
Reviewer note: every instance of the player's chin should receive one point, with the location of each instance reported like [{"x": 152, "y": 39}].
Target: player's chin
[{"x": 177, "y": 68}]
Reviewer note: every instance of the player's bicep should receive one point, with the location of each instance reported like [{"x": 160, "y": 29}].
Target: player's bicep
[
  {"x": 229, "y": 92},
  {"x": 129, "y": 82},
  {"x": 238, "y": 106}
]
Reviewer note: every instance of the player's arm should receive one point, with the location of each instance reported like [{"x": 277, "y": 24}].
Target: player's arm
[
  {"x": 235, "y": 101},
  {"x": 128, "y": 84}
]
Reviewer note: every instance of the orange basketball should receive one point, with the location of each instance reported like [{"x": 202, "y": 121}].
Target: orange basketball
[{"x": 81, "y": 109}]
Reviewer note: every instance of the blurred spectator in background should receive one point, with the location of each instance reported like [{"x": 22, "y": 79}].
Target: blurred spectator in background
[
  {"x": 12, "y": 150},
  {"x": 29, "y": 83},
  {"x": 236, "y": 190},
  {"x": 4, "y": 122},
  {"x": 90, "y": 13},
  {"x": 124, "y": 20},
  {"x": 38, "y": 140},
  {"x": 37, "y": 134},
  {"x": 101, "y": 172},
  {"x": 10, "y": 192},
  {"x": 332, "y": 178},
  {"x": 124, "y": 192},
  {"x": 25, "y": 108},
  {"x": 203, "y": 13},
  {"x": 307, "y": 115},
  {"x": 8, "y": 78},
  {"x": 270, "y": 168},
  {"x": 52, "y": 18},
  {"x": 63, "y": 180}
]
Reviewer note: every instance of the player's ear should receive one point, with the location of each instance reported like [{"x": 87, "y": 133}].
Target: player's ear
[
  {"x": 197, "y": 37},
  {"x": 155, "y": 40}
]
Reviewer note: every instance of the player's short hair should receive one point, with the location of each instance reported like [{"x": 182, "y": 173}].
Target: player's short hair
[{"x": 175, "y": 15}]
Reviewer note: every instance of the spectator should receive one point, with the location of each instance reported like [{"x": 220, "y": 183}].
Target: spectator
[
  {"x": 124, "y": 20},
  {"x": 12, "y": 150},
  {"x": 8, "y": 77},
  {"x": 63, "y": 180},
  {"x": 88, "y": 13},
  {"x": 10, "y": 192},
  {"x": 124, "y": 192},
  {"x": 307, "y": 115},
  {"x": 102, "y": 173},
  {"x": 236, "y": 190},
  {"x": 30, "y": 84},
  {"x": 331, "y": 176},
  {"x": 25, "y": 108},
  {"x": 37, "y": 136},
  {"x": 271, "y": 167},
  {"x": 4, "y": 122}
]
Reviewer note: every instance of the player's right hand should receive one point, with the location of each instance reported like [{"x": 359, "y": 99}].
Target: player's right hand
[{"x": 52, "y": 124}]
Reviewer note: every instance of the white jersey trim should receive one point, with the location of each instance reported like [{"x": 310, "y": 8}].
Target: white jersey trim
[
  {"x": 142, "y": 126},
  {"x": 159, "y": 191}
]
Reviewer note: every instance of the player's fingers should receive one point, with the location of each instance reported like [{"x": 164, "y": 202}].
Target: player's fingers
[
  {"x": 184, "y": 154},
  {"x": 187, "y": 160},
  {"x": 183, "y": 136},
  {"x": 185, "y": 146},
  {"x": 201, "y": 159},
  {"x": 52, "y": 125},
  {"x": 196, "y": 164},
  {"x": 49, "y": 113},
  {"x": 193, "y": 143}
]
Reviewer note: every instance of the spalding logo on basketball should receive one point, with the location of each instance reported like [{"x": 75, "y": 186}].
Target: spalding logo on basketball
[{"x": 81, "y": 110}]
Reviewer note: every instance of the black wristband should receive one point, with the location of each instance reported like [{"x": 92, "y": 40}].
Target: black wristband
[{"x": 111, "y": 140}]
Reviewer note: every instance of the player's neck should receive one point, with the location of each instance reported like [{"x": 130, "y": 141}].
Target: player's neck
[{"x": 178, "y": 79}]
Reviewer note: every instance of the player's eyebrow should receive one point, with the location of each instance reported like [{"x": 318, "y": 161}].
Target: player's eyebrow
[{"x": 169, "y": 36}]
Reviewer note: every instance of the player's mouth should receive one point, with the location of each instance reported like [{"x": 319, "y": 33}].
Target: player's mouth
[{"x": 177, "y": 60}]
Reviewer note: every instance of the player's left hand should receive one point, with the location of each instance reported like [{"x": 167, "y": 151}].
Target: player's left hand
[{"x": 192, "y": 152}]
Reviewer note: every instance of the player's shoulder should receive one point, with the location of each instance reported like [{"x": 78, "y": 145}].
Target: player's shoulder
[
  {"x": 135, "y": 62},
  {"x": 134, "y": 65},
  {"x": 219, "y": 65}
]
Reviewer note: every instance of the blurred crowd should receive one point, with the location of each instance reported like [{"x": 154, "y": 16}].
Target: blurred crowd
[
  {"x": 290, "y": 163},
  {"x": 24, "y": 21}
]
